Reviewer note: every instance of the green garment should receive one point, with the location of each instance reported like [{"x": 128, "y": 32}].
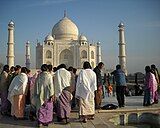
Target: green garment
[{"x": 43, "y": 89}]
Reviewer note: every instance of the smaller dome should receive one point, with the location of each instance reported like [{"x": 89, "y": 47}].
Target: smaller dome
[
  {"x": 121, "y": 25},
  {"x": 11, "y": 23},
  {"x": 27, "y": 42},
  {"x": 98, "y": 43},
  {"x": 82, "y": 38},
  {"x": 49, "y": 38}
]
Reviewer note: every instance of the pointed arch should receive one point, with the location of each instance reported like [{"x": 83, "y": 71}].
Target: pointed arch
[
  {"x": 84, "y": 54},
  {"x": 48, "y": 54},
  {"x": 66, "y": 57},
  {"x": 92, "y": 55}
]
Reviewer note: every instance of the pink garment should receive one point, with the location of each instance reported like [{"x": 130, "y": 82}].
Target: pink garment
[
  {"x": 33, "y": 79},
  {"x": 64, "y": 105},
  {"x": 45, "y": 113},
  {"x": 153, "y": 87}
]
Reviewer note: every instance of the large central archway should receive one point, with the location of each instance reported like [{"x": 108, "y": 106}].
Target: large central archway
[{"x": 66, "y": 57}]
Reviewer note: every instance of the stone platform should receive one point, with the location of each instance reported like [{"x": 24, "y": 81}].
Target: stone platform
[{"x": 103, "y": 118}]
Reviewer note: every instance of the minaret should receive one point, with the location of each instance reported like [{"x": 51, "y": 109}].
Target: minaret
[
  {"x": 10, "y": 50},
  {"x": 99, "y": 57},
  {"x": 122, "y": 49},
  {"x": 28, "y": 55}
]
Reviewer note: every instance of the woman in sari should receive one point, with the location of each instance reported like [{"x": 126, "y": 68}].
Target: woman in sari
[
  {"x": 154, "y": 70},
  {"x": 63, "y": 93},
  {"x": 17, "y": 94},
  {"x": 85, "y": 87},
  {"x": 64, "y": 105},
  {"x": 150, "y": 87},
  {"x": 43, "y": 95},
  {"x": 4, "y": 90}
]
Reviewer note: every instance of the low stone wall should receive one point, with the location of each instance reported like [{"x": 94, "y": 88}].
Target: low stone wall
[{"x": 152, "y": 119}]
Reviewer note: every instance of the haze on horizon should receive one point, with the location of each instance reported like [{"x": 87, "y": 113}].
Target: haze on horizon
[{"x": 97, "y": 19}]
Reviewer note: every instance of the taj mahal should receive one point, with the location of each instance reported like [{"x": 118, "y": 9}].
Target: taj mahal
[{"x": 65, "y": 45}]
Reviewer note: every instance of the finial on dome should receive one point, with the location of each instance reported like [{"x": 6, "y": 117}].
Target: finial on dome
[
  {"x": 65, "y": 13},
  {"x": 11, "y": 23},
  {"x": 121, "y": 24},
  {"x": 27, "y": 42}
]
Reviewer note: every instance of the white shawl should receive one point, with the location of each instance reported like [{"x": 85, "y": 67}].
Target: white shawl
[
  {"x": 62, "y": 79},
  {"x": 17, "y": 86},
  {"x": 86, "y": 84}
]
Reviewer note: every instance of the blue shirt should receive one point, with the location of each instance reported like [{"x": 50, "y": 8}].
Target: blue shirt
[{"x": 119, "y": 77}]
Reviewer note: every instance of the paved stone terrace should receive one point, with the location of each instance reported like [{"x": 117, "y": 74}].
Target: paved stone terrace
[{"x": 133, "y": 104}]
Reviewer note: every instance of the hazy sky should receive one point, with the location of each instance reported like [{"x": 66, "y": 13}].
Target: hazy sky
[{"x": 97, "y": 19}]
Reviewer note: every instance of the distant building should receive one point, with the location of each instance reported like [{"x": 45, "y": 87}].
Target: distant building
[{"x": 66, "y": 45}]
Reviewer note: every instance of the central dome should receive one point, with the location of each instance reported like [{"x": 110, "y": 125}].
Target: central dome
[{"x": 65, "y": 29}]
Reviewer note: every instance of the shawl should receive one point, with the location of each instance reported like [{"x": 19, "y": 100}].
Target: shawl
[
  {"x": 62, "y": 79},
  {"x": 17, "y": 86},
  {"x": 86, "y": 84},
  {"x": 43, "y": 89}
]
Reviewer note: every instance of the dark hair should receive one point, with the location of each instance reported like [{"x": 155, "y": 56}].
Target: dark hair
[
  {"x": 50, "y": 67},
  {"x": 6, "y": 68},
  {"x": 61, "y": 66},
  {"x": 100, "y": 64},
  {"x": 17, "y": 67},
  {"x": 147, "y": 69},
  {"x": 12, "y": 68},
  {"x": 74, "y": 70},
  {"x": 118, "y": 66},
  {"x": 70, "y": 68},
  {"x": 24, "y": 70},
  {"x": 54, "y": 69},
  {"x": 44, "y": 67},
  {"x": 153, "y": 66},
  {"x": 28, "y": 70},
  {"x": 86, "y": 65}
]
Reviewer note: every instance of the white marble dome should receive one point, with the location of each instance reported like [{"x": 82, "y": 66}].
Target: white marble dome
[
  {"x": 49, "y": 38},
  {"x": 82, "y": 38},
  {"x": 65, "y": 29}
]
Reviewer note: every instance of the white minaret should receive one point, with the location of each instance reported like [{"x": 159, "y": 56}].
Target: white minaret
[
  {"x": 28, "y": 55},
  {"x": 99, "y": 56},
  {"x": 10, "y": 50},
  {"x": 122, "y": 49}
]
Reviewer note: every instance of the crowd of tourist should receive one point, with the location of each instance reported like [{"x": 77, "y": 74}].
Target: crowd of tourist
[
  {"x": 56, "y": 90},
  {"x": 49, "y": 91}
]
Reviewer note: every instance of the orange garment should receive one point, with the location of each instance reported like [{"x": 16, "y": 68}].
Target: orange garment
[
  {"x": 98, "y": 97},
  {"x": 18, "y": 106},
  {"x": 110, "y": 88}
]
